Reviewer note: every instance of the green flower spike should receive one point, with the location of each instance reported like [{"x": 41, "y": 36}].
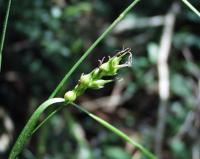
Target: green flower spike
[
  {"x": 111, "y": 67},
  {"x": 94, "y": 79}
]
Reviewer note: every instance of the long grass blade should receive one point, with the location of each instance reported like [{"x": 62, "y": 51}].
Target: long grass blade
[
  {"x": 4, "y": 31},
  {"x": 187, "y": 3},
  {"x": 117, "y": 132},
  {"x": 29, "y": 127}
]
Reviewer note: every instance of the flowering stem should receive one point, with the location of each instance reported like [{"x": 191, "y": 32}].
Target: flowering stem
[
  {"x": 91, "y": 80},
  {"x": 76, "y": 65},
  {"x": 83, "y": 57},
  {"x": 187, "y": 3}
]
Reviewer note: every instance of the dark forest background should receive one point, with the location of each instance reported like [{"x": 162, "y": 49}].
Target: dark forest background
[{"x": 45, "y": 38}]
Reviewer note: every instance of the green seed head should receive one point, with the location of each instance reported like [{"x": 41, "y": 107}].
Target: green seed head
[
  {"x": 70, "y": 96},
  {"x": 96, "y": 73},
  {"x": 94, "y": 78}
]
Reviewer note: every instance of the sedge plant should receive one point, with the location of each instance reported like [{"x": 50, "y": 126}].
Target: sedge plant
[{"x": 93, "y": 80}]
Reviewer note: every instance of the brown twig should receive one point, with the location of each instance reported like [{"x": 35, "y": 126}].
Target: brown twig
[{"x": 163, "y": 75}]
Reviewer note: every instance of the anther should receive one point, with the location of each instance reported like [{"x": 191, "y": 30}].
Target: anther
[{"x": 101, "y": 61}]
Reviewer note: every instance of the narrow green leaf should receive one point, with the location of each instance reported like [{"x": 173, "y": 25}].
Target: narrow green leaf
[
  {"x": 4, "y": 31},
  {"x": 29, "y": 127},
  {"x": 187, "y": 3},
  {"x": 117, "y": 132}
]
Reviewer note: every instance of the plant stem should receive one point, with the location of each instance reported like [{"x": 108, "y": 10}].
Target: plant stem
[
  {"x": 117, "y": 132},
  {"x": 187, "y": 3},
  {"x": 66, "y": 77},
  {"x": 4, "y": 31}
]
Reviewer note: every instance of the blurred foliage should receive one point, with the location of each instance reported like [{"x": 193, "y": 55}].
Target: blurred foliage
[{"x": 45, "y": 38}]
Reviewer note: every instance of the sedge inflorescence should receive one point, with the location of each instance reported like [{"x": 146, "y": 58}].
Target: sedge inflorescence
[{"x": 94, "y": 79}]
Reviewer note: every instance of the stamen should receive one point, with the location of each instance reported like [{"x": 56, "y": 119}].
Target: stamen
[
  {"x": 123, "y": 52},
  {"x": 123, "y": 65},
  {"x": 101, "y": 61},
  {"x": 129, "y": 61}
]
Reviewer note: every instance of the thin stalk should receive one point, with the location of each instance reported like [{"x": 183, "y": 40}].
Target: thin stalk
[
  {"x": 29, "y": 127},
  {"x": 117, "y": 132},
  {"x": 83, "y": 57},
  {"x": 47, "y": 118},
  {"x": 187, "y": 3},
  {"x": 4, "y": 31}
]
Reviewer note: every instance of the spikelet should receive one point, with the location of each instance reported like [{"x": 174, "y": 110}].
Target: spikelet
[{"x": 94, "y": 79}]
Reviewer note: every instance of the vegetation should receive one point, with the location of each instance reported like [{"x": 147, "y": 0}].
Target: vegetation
[{"x": 48, "y": 37}]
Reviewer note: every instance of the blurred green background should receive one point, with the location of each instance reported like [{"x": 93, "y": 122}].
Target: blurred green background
[{"x": 45, "y": 38}]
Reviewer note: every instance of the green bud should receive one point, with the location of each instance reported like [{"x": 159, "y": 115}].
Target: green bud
[
  {"x": 99, "y": 84},
  {"x": 110, "y": 68},
  {"x": 115, "y": 61},
  {"x": 85, "y": 80},
  {"x": 107, "y": 70},
  {"x": 70, "y": 96},
  {"x": 96, "y": 73},
  {"x": 105, "y": 67}
]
